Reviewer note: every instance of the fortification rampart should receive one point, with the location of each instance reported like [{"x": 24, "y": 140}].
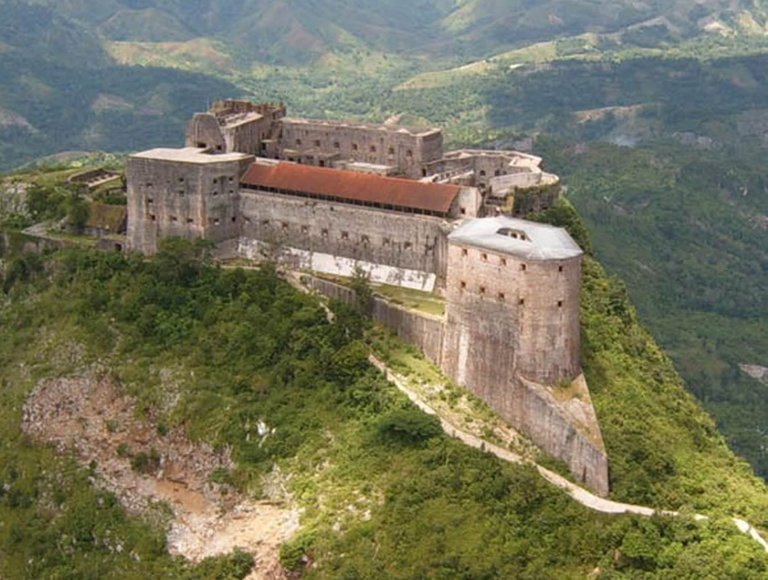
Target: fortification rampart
[
  {"x": 371, "y": 235},
  {"x": 424, "y": 332},
  {"x": 561, "y": 421},
  {"x": 183, "y": 193}
]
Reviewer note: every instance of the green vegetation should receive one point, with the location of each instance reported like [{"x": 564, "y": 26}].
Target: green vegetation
[
  {"x": 384, "y": 492},
  {"x": 682, "y": 228},
  {"x": 656, "y": 435}
]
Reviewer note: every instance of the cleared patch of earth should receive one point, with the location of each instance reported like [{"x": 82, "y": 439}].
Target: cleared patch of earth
[
  {"x": 756, "y": 372},
  {"x": 95, "y": 418}
]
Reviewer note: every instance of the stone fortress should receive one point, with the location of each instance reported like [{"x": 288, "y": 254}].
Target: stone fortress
[{"x": 333, "y": 196}]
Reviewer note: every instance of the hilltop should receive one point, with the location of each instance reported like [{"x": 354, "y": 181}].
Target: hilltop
[{"x": 240, "y": 361}]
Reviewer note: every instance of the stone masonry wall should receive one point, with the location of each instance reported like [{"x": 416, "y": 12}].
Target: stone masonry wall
[
  {"x": 424, "y": 332},
  {"x": 404, "y": 150},
  {"x": 188, "y": 200},
  {"x": 381, "y": 237},
  {"x": 531, "y": 306}
]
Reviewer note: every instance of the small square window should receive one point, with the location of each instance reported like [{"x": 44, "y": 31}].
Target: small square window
[
  {"x": 521, "y": 301},
  {"x": 559, "y": 303},
  {"x": 354, "y": 146},
  {"x": 463, "y": 284},
  {"x": 304, "y": 229},
  {"x": 284, "y": 225},
  {"x": 336, "y": 145},
  {"x": 523, "y": 267},
  {"x": 463, "y": 210},
  {"x": 153, "y": 217},
  {"x": 391, "y": 150},
  {"x": 502, "y": 297},
  {"x": 373, "y": 148},
  {"x": 503, "y": 261},
  {"x": 234, "y": 219},
  {"x": 407, "y": 245},
  {"x": 365, "y": 240},
  {"x": 464, "y": 252},
  {"x": 317, "y": 142},
  {"x": 150, "y": 200},
  {"x": 560, "y": 269},
  {"x": 298, "y": 141},
  {"x": 484, "y": 257},
  {"x": 482, "y": 289},
  {"x": 409, "y": 153},
  {"x": 174, "y": 218},
  {"x": 344, "y": 235},
  {"x": 324, "y": 232},
  {"x": 385, "y": 241},
  {"x": 265, "y": 222}
]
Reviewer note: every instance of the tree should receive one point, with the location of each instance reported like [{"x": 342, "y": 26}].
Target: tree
[
  {"x": 361, "y": 285},
  {"x": 77, "y": 212}
]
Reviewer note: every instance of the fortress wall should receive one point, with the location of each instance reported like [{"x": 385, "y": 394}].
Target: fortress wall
[
  {"x": 550, "y": 329},
  {"x": 422, "y": 331},
  {"x": 540, "y": 416},
  {"x": 404, "y": 150},
  {"x": 389, "y": 238},
  {"x": 187, "y": 200},
  {"x": 503, "y": 326},
  {"x": 247, "y": 137},
  {"x": 539, "y": 300},
  {"x": 469, "y": 202}
]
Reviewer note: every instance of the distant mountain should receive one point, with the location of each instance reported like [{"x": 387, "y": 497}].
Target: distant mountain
[
  {"x": 61, "y": 90},
  {"x": 299, "y": 31}
]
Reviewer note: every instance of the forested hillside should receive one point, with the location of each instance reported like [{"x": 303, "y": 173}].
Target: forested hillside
[
  {"x": 383, "y": 491},
  {"x": 655, "y": 114}
]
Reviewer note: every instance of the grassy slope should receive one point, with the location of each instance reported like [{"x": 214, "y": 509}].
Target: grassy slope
[
  {"x": 677, "y": 226},
  {"x": 381, "y": 495}
]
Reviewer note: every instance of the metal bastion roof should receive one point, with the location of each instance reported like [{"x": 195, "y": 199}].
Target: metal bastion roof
[{"x": 521, "y": 238}]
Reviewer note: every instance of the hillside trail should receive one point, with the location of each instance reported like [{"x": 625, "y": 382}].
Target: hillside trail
[{"x": 576, "y": 492}]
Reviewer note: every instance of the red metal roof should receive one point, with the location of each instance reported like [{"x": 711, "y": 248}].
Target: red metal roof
[{"x": 353, "y": 186}]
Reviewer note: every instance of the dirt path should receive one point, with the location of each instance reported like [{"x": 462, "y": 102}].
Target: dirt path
[
  {"x": 578, "y": 493},
  {"x": 143, "y": 465}
]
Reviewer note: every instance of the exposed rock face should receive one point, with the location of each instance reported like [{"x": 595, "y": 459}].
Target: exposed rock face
[
  {"x": 93, "y": 417},
  {"x": 13, "y": 198}
]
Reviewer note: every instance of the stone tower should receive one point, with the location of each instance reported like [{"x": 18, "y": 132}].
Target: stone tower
[
  {"x": 512, "y": 335},
  {"x": 186, "y": 193}
]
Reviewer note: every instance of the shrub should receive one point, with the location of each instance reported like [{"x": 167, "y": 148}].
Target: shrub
[{"x": 409, "y": 426}]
